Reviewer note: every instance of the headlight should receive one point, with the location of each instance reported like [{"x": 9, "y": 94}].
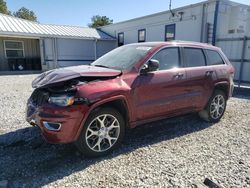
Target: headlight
[{"x": 62, "y": 100}]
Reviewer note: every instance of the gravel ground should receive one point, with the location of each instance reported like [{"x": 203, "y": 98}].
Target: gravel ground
[{"x": 179, "y": 152}]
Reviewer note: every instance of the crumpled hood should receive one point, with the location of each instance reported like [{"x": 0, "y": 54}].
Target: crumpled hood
[{"x": 68, "y": 73}]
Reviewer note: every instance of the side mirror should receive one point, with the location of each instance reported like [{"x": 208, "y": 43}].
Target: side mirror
[{"x": 153, "y": 65}]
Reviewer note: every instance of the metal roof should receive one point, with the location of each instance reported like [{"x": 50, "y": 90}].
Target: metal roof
[{"x": 12, "y": 26}]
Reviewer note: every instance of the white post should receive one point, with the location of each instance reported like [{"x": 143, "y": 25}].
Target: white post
[
  {"x": 95, "y": 48},
  {"x": 42, "y": 55},
  {"x": 55, "y": 53}
]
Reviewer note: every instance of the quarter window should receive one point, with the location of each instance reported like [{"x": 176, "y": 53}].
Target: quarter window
[
  {"x": 170, "y": 32},
  {"x": 14, "y": 49},
  {"x": 168, "y": 58},
  {"x": 120, "y": 39},
  {"x": 142, "y": 35},
  {"x": 213, "y": 57},
  {"x": 194, "y": 57}
]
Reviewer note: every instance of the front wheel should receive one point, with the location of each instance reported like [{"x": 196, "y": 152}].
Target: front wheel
[
  {"x": 102, "y": 132},
  {"x": 215, "y": 107}
]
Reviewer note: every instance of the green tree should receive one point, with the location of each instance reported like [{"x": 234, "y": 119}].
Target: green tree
[
  {"x": 4, "y": 8},
  {"x": 97, "y": 21},
  {"x": 26, "y": 14}
]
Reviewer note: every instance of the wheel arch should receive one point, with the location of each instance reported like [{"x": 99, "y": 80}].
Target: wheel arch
[
  {"x": 223, "y": 86},
  {"x": 118, "y": 102}
]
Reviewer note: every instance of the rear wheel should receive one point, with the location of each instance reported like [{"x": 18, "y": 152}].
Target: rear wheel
[
  {"x": 215, "y": 107},
  {"x": 102, "y": 132}
]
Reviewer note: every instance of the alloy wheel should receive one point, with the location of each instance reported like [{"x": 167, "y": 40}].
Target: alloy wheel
[
  {"x": 217, "y": 106},
  {"x": 102, "y": 133}
]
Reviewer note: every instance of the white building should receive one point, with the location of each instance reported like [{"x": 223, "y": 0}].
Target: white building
[
  {"x": 221, "y": 22},
  {"x": 26, "y": 45},
  {"x": 40, "y": 46}
]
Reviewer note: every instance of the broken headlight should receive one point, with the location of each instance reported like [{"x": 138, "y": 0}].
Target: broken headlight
[{"x": 62, "y": 100}]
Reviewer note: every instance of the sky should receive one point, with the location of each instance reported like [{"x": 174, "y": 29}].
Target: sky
[{"x": 79, "y": 12}]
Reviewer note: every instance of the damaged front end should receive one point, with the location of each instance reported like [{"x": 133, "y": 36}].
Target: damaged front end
[
  {"x": 82, "y": 73},
  {"x": 56, "y": 106},
  {"x": 59, "y": 86},
  {"x": 61, "y": 94},
  {"x": 57, "y": 110}
]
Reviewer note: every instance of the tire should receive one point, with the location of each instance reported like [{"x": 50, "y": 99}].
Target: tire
[
  {"x": 214, "y": 109},
  {"x": 98, "y": 138}
]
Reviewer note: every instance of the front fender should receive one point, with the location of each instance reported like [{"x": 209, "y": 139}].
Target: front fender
[{"x": 102, "y": 102}]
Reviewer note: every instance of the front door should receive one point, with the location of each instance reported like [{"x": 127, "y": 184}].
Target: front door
[{"x": 161, "y": 92}]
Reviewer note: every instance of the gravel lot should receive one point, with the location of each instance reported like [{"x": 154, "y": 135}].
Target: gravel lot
[{"x": 179, "y": 152}]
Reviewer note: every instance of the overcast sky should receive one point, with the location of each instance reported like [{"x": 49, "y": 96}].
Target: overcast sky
[{"x": 79, "y": 12}]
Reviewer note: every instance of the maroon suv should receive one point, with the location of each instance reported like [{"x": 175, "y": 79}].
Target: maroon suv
[{"x": 131, "y": 85}]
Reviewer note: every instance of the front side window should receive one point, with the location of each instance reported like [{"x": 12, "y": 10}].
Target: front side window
[
  {"x": 194, "y": 57},
  {"x": 142, "y": 35},
  {"x": 213, "y": 58},
  {"x": 120, "y": 39},
  {"x": 170, "y": 32},
  {"x": 14, "y": 49},
  {"x": 168, "y": 58}
]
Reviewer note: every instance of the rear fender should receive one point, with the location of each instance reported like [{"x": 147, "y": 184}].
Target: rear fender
[{"x": 224, "y": 86}]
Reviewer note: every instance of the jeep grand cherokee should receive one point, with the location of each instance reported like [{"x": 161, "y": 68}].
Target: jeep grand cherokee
[{"x": 91, "y": 105}]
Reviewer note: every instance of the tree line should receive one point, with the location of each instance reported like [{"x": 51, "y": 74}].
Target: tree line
[{"x": 25, "y": 13}]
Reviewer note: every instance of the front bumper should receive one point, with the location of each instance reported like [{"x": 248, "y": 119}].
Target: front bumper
[{"x": 69, "y": 118}]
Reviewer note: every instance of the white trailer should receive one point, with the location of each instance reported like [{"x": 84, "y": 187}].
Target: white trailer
[{"x": 220, "y": 22}]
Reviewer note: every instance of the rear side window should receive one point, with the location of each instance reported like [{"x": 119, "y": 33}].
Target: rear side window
[
  {"x": 213, "y": 58},
  {"x": 194, "y": 57},
  {"x": 168, "y": 58}
]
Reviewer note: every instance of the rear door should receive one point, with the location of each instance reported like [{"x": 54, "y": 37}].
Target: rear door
[
  {"x": 215, "y": 61},
  {"x": 161, "y": 92},
  {"x": 199, "y": 77}
]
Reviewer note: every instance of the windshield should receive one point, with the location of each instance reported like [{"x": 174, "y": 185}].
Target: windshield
[{"x": 122, "y": 58}]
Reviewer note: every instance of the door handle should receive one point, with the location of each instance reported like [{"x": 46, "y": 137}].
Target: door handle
[
  {"x": 209, "y": 73},
  {"x": 179, "y": 75}
]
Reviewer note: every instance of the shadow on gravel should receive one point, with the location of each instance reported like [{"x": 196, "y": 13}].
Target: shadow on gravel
[{"x": 26, "y": 160}]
